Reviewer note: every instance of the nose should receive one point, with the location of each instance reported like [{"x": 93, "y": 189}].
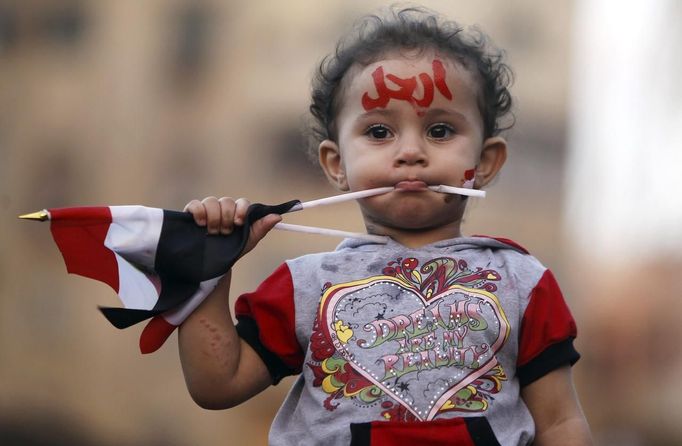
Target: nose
[{"x": 410, "y": 151}]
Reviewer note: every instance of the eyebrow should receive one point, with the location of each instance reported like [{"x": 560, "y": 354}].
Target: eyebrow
[
  {"x": 445, "y": 111},
  {"x": 374, "y": 112},
  {"x": 431, "y": 112}
]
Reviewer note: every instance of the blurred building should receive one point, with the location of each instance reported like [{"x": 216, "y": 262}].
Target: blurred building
[
  {"x": 162, "y": 101},
  {"x": 626, "y": 150},
  {"x": 623, "y": 213}
]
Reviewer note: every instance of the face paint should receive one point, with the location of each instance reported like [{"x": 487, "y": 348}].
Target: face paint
[
  {"x": 469, "y": 179},
  {"x": 406, "y": 88}
]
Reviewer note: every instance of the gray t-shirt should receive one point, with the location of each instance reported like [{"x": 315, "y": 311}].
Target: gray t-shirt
[{"x": 431, "y": 343}]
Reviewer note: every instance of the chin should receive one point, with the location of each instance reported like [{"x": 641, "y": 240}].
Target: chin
[
  {"x": 415, "y": 216},
  {"x": 412, "y": 224}
]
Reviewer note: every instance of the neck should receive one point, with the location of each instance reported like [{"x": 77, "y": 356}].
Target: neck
[{"x": 415, "y": 238}]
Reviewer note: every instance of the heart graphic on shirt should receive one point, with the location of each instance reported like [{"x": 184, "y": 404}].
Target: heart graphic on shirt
[{"x": 419, "y": 350}]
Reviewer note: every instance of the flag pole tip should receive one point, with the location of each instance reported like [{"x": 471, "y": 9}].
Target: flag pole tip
[{"x": 38, "y": 216}]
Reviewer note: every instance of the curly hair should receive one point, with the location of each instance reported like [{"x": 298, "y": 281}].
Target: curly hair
[{"x": 411, "y": 29}]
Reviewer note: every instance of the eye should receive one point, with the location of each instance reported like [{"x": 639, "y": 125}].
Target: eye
[
  {"x": 440, "y": 131},
  {"x": 378, "y": 131}
]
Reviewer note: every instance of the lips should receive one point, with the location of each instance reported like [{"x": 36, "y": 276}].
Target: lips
[{"x": 411, "y": 185}]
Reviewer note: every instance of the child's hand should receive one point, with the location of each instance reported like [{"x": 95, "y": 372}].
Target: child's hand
[{"x": 220, "y": 216}]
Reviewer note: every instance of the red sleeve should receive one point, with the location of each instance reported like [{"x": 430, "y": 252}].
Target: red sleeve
[
  {"x": 547, "y": 332},
  {"x": 266, "y": 321}
]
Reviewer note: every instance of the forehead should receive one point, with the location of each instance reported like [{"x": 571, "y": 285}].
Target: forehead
[{"x": 399, "y": 75}]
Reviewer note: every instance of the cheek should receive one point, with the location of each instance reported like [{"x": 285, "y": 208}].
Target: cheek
[
  {"x": 364, "y": 175},
  {"x": 456, "y": 168},
  {"x": 362, "y": 164},
  {"x": 360, "y": 179}
]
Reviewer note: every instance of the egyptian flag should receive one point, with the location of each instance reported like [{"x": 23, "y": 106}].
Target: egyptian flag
[{"x": 160, "y": 263}]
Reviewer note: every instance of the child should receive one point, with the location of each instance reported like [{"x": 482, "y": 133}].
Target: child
[{"x": 431, "y": 337}]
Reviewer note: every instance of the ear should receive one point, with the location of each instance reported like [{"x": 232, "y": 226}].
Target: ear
[
  {"x": 493, "y": 156},
  {"x": 330, "y": 160}
]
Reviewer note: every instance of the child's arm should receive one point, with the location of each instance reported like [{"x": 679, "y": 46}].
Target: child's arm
[
  {"x": 220, "y": 369},
  {"x": 553, "y": 403}
]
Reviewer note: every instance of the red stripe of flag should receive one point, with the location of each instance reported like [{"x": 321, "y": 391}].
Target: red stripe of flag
[
  {"x": 155, "y": 333},
  {"x": 80, "y": 233}
]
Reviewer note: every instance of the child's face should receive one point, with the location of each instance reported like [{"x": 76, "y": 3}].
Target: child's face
[{"x": 408, "y": 123}]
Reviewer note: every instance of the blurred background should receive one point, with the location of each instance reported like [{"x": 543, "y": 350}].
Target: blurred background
[{"x": 161, "y": 101}]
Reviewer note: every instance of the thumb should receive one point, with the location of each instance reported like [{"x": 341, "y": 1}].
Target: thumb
[{"x": 259, "y": 229}]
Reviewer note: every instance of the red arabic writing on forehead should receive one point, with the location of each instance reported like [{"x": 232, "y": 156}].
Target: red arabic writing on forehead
[{"x": 406, "y": 88}]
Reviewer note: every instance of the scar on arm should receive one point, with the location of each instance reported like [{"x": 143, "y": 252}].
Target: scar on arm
[{"x": 221, "y": 349}]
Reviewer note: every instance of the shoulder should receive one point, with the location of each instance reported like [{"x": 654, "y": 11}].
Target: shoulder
[
  {"x": 310, "y": 262},
  {"x": 513, "y": 256},
  {"x": 505, "y": 241},
  {"x": 348, "y": 251},
  {"x": 521, "y": 272}
]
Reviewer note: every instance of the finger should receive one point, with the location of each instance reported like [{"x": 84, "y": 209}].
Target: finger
[
  {"x": 265, "y": 224},
  {"x": 242, "y": 205},
  {"x": 227, "y": 210},
  {"x": 197, "y": 210},
  {"x": 259, "y": 229},
  {"x": 213, "y": 216}
]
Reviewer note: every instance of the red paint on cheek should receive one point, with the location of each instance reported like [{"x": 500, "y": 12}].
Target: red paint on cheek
[
  {"x": 406, "y": 87},
  {"x": 469, "y": 178}
]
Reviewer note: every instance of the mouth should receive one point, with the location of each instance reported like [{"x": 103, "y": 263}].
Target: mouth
[{"x": 411, "y": 186}]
